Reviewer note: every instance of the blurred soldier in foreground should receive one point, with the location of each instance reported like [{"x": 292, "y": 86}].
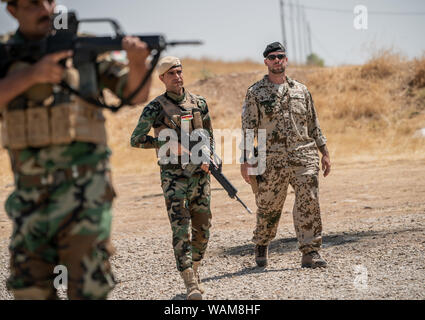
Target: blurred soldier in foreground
[
  {"x": 285, "y": 109},
  {"x": 187, "y": 193},
  {"x": 61, "y": 205}
]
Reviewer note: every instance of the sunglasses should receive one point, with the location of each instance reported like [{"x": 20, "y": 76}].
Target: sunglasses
[{"x": 274, "y": 56}]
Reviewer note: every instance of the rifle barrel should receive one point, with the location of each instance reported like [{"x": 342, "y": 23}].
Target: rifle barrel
[
  {"x": 244, "y": 205},
  {"x": 192, "y": 43}
]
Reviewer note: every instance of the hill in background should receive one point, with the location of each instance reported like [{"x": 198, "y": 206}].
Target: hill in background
[{"x": 367, "y": 112}]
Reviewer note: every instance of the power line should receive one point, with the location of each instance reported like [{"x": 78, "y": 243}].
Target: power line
[
  {"x": 369, "y": 12},
  {"x": 282, "y": 21},
  {"x": 300, "y": 33},
  {"x": 293, "y": 23}
]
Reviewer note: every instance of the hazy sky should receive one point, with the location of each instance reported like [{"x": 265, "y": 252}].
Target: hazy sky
[{"x": 240, "y": 29}]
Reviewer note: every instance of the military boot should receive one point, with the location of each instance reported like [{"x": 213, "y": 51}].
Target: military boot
[
  {"x": 312, "y": 260},
  {"x": 196, "y": 265},
  {"x": 261, "y": 255},
  {"x": 193, "y": 292}
]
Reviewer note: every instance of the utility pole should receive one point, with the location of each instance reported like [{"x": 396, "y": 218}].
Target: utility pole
[
  {"x": 310, "y": 48},
  {"x": 282, "y": 21},
  {"x": 300, "y": 34},
  {"x": 294, "y": 49},
  {"x": 304, "y": 23}
]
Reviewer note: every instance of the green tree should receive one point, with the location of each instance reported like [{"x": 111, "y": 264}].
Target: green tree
[{"x": 314, "y": 60}]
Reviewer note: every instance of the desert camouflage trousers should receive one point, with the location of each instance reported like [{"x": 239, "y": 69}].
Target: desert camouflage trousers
[
  {"x": 66, "y": 220},
  {"x": 270, "y": 198},
  {"x": 188, "y": 206}
]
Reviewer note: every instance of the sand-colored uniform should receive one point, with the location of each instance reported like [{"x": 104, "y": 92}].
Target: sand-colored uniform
[{"x": 293, "y": 134}]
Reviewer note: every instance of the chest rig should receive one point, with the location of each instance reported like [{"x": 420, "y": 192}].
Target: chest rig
[
  {"x": 45, "y": 115},
  {"x": 182, "y": 113}
]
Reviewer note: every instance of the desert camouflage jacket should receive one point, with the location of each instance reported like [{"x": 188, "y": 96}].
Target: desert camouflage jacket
[{"x": 288, "y": 115}]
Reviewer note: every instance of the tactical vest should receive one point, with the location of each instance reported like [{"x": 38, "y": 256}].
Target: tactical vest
[
  {"x": 186, "y": 110},
  {"x": 44, "y": 116}
]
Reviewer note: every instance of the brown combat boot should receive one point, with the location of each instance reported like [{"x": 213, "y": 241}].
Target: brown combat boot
[
  {"x": 261, "y": 255},
  {"x": 196, "y": 265},
  {"x": 193, "y": 292},
  {"x": 313, "y": 260}
]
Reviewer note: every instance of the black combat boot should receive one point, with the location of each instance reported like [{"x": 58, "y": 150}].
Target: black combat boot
[{"x": 261, "y": 255}]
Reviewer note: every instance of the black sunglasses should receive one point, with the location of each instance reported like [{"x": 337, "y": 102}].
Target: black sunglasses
[{"x": 274, "y": 56}]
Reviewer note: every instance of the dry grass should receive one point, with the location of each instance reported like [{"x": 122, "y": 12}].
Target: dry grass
[
  {"x": 367, "y": 112},
  {"x": 418, "y": 80}
]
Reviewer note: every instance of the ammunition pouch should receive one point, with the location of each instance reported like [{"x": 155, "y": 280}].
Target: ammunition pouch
[
  {"x": 41, "y": 117},
  {"x": 42, "y": 126},
  {"x": 175, "y": 112}
]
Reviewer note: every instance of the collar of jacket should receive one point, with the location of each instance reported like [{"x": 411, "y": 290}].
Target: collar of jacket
[
  {"x": 291, "y": 82},
  {"x": 176, "y": 98}
]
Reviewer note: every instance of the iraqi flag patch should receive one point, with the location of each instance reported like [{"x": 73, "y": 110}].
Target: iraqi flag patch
[{"x": 187, "y": 117}]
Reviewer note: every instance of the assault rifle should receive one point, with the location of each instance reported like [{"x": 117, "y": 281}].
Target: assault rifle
[
  {"x": 86, "y": 51},
  {"x": 207, "y": 156}
]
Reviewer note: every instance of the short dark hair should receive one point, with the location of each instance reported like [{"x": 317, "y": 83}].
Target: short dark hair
[{"x": 13, "y": 3}]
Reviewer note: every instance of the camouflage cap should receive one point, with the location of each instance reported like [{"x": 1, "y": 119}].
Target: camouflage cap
[
  {"x": 167, "y": 63},
  {"x": 275, "y": 46}
]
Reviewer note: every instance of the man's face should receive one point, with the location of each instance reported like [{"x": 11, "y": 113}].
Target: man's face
[
  {"x": 173, "y": 79},
  {"x": 276, "y": 62},
  {"x": 33, "y": 16}
]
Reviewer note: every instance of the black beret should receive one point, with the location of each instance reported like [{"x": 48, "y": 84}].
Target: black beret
[{"x": 275, "y": 46}]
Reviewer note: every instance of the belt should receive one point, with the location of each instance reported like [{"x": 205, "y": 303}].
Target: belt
[
  {"x": 170, "y": 166},
  {"x": 58, "y": 176}
]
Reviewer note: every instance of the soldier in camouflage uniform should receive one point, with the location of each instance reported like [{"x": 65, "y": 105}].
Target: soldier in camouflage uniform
[
  {"x": 61, "y": 205},
  {"x": 187, "y": 196},
  {"x": 285, "y": 109}
]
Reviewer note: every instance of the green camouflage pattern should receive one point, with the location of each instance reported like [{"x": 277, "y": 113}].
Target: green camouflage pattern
[
  {"x": 149, "y": 118},
  {"x": 187, "y": 199},
  {"x": 65, "y": 221},
  {"x": 188, "y": 206},
  {"x": 61, "y": 211}
]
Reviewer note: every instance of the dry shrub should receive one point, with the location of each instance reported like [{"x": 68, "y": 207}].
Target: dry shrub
[
  {"x": 418, "y": 80},
  {"x": 382, "y": 65},
  {"x": 341, "y": 93}
]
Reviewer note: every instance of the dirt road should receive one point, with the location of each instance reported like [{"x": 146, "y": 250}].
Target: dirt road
[{"x": 373, "y": 217}]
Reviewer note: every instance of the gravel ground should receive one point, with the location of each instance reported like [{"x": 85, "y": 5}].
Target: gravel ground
[{"x": 373, "y": 258}]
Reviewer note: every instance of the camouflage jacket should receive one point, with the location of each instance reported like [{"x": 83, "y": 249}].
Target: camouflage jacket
[
  {"x": 33, "y": 161},
  {"x": 288, "y": 115},
  {"x": 150, "y": 116}
]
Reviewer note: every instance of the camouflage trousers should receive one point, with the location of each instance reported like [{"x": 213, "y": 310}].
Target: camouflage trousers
[
  {"x": 270, "y": 198},
  {"x": 64, "y": 220},
  {"x": 188, "y": 206}
]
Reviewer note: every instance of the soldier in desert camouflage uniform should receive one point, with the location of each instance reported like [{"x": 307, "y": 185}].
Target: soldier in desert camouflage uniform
[
  {"x": 61, "y": 205},
  {"x": 187, "y": 197},
  {"x": 285, "y": 109}
]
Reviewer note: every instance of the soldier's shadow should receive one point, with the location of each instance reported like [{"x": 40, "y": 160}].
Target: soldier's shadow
[
  {"x": 246, "y": 271},
  {"x": 284, "y": 245},
  {"x": 180, "y": 296}
]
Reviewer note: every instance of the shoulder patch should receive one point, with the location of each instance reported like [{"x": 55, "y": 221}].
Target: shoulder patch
[
  {"x": 256, "y": 85},
  {"x": 299, "y": 84}
]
